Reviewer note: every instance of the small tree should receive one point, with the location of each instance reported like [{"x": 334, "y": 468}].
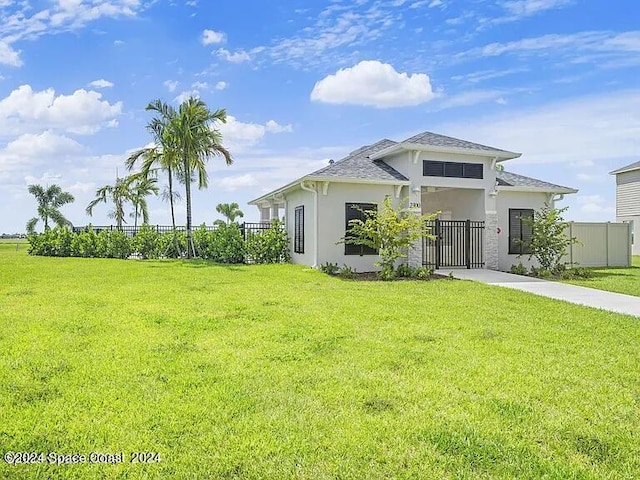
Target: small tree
[
  {"x": 549, "y": 239},
  {"x": 230, "y": 211},
  {"x": 49, "y": 202},
  {"x": 391, "y": 231}
]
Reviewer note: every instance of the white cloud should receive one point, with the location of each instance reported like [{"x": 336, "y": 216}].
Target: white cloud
[
  {"x": 472, "y": 97},
  {"x": 186, "y": 95},
  {"x": 525, "y": 8},
  {"x": 373, "y": 83},
  {"x": 200, "y": 85},
  {"x": 82, "y": 112},
  {"x": 595, "y": 205},
  {"x": 171, "y": 85},
  {"x": 102, "y": 83},
  {"x": 211, "y": 37},
  {"x": 9, "y": 56},
  {"x": 601, "y": 129},
  {"x": 238, "y": 56},
  {"x": 239, "y": 136},
  {"x": 30, "y": 149},
  {"x": 221, "y": 85},
  {"x": 274, "y": 127},
  {"x": 238, "y": 181},
  {"x": 435, "y": 3}
]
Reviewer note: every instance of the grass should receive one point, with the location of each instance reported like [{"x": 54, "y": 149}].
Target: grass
[
  {"x": 283, "y": 372},
  {"x": 620, "y": 280}
]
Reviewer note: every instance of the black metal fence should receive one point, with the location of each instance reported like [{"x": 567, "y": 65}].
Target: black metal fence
[
  {"x": 246, "y": 228},
  {"x": 457, "y": 243}
]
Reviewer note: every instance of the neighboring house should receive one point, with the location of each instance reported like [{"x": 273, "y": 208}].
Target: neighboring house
[
  {"x": 628, "y": 200},
  {"x": 459, "y": 179}
]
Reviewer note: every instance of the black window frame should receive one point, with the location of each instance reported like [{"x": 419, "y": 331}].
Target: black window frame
[
  {"x": 298, "y": 229},
  {"x": 353, "y": 211},
  {"x": 518, "y": 244},
  {"x": 438, "y": 168}
]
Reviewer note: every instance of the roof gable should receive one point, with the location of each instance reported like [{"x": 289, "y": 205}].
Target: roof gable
[
  {"x": 628, "y": 168},
  {"x": 358, "y": 165},
  {"x": 437, "y": 140}
]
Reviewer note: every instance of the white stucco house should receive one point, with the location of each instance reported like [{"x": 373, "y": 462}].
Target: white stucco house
[
  {"x": 480, "y": 204},
  {"x": 628, "y": 200}
]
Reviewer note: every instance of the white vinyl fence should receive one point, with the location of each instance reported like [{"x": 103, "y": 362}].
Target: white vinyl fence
[{"x": 601, "y": 244}]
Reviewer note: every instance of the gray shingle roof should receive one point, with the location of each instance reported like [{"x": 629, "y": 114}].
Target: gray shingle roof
[
  {"x": 508, "y": 179},
  {"x": 436, "y": 140},
  {"x": 633, "y": 166},
  {"x": 358, "y": 165}
]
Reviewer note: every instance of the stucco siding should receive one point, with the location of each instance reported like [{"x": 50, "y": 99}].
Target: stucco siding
[
  {"x": 628, "y": 193},
  {"x": 331, "y": 218},
  {"x": 505, "y": 201},
  {"x": 295, "y": 199}
]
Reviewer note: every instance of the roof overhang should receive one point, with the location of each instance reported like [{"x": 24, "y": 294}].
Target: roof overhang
[
  {"x": 508, "y": 188},
  {"x": 499, "y": 155},
  {"x": 318, "y": 178},
  {"x": 625, "y": 169}
]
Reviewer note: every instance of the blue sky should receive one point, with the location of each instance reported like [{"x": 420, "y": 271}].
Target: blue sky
[{"x": 306, "y": 81}]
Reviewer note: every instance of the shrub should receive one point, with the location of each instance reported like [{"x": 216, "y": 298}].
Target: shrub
[
  {"x": 519, "y": 269},
  {"x": 329, "y": 268},
  {"x": 85, "y": 243},
  {"x": 269, "y": 246},
  {"x": 391, "y": 231},
  {"x": 577, "y": 272},
  {"x": 347, "y": 272},
  {"x": 423, "y": 273},
  {"x": 172, "y": 244},
  {"x": 114, "y": 244},
  {"x": 227, "y": 244},
  {"x": 147, "y": 242},
  {"x": 404, "y": 270}
]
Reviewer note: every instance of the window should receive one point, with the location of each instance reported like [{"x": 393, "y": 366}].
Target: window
[
  {"x": 520, "y": 231},
  {"x": 298, "y": 233},
  {"x": 433, "y": 168},
  {"x": 355, "y": 211}
]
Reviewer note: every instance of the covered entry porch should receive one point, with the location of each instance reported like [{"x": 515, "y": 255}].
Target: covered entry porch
[{"x": 459, "y": 227}]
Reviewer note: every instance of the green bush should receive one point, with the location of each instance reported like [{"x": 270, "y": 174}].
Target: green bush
[
  {"x": 170, "y": 247},
  {"x": 577, "y": 273},
  {"x": 519, "y": 269},
  {"x": 329, "y": 268},
  {"x": 147, "y": 242},
  {"x": 269, "y": 246},
  {"x": 228, "y": 245},
  {"x": 85, "y": 243},
  {"x": 347, "y": 272}
]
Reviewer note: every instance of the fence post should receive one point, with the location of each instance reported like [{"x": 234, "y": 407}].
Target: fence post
[
  {"x": 437, "y": 243},
  {"x": 467, "y": 243},
  {"x": 571, "y": 244},
  {"x": 606, "y": 251}
]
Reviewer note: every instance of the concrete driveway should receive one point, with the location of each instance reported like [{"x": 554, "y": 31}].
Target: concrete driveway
[{"x": 614, "y": 302}]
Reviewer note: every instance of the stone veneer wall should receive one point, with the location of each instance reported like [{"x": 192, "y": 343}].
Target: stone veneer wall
[{"x": 491, "y": 258}]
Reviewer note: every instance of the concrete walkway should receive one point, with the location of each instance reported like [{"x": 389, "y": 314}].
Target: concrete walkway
[{"x": 614, "y": 302}]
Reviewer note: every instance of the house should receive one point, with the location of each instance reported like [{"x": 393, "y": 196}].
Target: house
[
  {"x": 480, "y": 205},
  {"x": 628, "y": 200}
]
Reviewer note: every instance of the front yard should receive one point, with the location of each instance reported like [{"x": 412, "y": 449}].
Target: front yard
[
  {"x": 278, "y": 371},
  {"x": 620, "y": 280}
]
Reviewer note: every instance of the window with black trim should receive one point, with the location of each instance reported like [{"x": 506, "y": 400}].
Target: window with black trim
[
  {"x": 434, "y": 168},
  {"x": 355, "y": 211},
  {"x": 298, "y": 230},
  {"x": 520, "y": 230}
]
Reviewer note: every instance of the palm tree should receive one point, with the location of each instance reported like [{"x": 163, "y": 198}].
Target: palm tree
[
  {"x": 230, "y": 211},
  {"x": 140, "y": 187},
  {"x": 49, "y": 202},
  {"x": 119, "y": 194},
  {"x": 163, "y": 154},
  {"x": 196, "y": 140}
]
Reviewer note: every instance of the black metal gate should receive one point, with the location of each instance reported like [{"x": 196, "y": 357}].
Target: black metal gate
[{"x": 457, "y": 243}]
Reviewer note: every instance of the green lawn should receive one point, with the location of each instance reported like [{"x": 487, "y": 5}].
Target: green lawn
[
  {"x": 621, "y": 280},
  {"x": 282, "y": 372}
]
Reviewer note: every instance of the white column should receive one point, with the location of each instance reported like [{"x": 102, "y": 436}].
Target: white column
[
  {"x": 414, "y": 255},
  {"x": 491, "y": 255},
  {"x": 274, "y": 211}
]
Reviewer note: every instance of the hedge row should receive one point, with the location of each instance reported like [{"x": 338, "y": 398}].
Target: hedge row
[{"x": 225, "y": 244}]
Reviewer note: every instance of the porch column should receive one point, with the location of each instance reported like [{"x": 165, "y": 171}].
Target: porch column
[
  {"x": 274, "y": 211},
  {"x": 264, "y": 214},
  {"x": 414, "y": 255},
  {"x": 491, "y": 257}
]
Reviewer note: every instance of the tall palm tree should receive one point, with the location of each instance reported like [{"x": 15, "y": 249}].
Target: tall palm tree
[
  {"x": 163, "y": 154},
  {"x": 141, "y": 187},
  {"x": 119, "y": 194},
  {"x": 49, "y": 202},
  {"x": 196, "y": 140},
  {"x": 230, "y": 211}
]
